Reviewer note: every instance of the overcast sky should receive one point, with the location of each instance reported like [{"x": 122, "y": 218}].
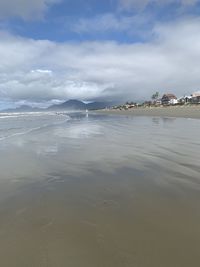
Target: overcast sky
[{"x": 55, "y": 50}]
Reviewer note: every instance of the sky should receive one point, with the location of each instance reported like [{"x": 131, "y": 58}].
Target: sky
[{"x": 97, "y": 50}]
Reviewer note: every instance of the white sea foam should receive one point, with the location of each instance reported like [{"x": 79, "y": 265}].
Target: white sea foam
[
  {"x": 15, "y": 124},
  {"x": 28, "y": 114}
]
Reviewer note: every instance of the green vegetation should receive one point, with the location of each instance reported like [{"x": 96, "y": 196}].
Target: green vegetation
[{"x": 155, "y": 96}]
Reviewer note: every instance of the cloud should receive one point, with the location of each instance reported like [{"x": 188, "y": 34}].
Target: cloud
[
  {"x": 43, "y": 86},
  {"x": 127, "y": 4},
  {"x": 38, "y": 71},
  {"x": 112, "y": 23},
  {"x": 42, "y": 71},
  {"x": 101, "y": 23},
  {"x": 24, "y": 8}
]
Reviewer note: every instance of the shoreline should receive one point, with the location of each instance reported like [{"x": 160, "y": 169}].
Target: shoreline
[{"x": 192, "y": 112}]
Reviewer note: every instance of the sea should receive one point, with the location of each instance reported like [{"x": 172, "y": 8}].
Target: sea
[{"x": 92, "y": 190}]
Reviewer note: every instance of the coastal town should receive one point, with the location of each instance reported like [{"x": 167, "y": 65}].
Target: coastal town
[{"x": 167, "y": 99}]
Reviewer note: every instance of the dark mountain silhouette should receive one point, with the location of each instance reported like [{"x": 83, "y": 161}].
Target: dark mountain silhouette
[
  {"x": 98, "y": 105},
  {"x": 72, "y": 104},
  {"x": 69, "y": 105},
  {"x": 79, "y": 105}
]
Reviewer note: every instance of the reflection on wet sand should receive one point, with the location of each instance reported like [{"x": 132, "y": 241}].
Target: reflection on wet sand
[{"x": 101, "y": 191}]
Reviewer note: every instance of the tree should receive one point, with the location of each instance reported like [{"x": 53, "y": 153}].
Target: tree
[{"x": 155, "y": 96}]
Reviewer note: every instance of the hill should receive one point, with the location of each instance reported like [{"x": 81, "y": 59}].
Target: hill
[{"x": 72, "y": 104}]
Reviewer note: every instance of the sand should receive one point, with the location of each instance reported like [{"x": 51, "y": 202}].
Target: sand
[
  {"x": 176, "y": 111},
  {"x": 99, "y": 191}
]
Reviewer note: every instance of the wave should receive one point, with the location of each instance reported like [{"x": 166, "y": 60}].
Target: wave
[
  {"x": 26, "y": 123},
  {"x": 28, "y": 114}
]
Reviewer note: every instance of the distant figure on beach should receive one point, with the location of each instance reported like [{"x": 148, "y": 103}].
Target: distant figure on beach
[{"x": 86, "y": 111}]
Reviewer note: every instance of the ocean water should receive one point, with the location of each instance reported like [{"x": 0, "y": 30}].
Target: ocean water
[{"x": 94, "y": 190}]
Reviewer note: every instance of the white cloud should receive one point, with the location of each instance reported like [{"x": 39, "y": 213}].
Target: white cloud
[
  {"x": 26, "y": 9},
  {"x": 42, "y": 70}
]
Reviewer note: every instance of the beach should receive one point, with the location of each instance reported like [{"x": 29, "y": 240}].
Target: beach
[
  {"x": 85, "y": 190},
  {"x": 168, "y": 111}
]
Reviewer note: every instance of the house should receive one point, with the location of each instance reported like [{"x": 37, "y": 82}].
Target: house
[
  {"x": 169, "y": 99},
  {"x": 157, "y": 102},
  {"x": 196, "y": 94},
  {"x": 185, "y": 99},
  {"x": 196, "y": 98}
]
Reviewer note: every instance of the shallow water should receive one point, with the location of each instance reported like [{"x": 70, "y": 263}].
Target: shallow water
[{"x": 99, "y": 191}]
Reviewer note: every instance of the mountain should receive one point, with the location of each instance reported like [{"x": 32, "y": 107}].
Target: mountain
[
  {"x": 69, "y": 105},
  {"x": 23, "y": 108},
  {"x": 98, "y": 105},
  {"x": 74, "y": 104}
]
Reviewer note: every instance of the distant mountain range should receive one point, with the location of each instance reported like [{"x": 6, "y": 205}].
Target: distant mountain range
[
  {"x": 68, "y": 105},
  {"x": 23, "y": 108},
  {"x": 79, "y": 105}
]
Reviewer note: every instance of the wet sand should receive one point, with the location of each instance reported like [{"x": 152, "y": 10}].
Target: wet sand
[
  {"x": 102, "y": 191},
  {"x": 176, "y": 111}
]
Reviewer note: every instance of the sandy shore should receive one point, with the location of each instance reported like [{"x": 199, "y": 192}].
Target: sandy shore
[
  {"x": 99, "y": 191},
  {"x": 176, "y": 111}
]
